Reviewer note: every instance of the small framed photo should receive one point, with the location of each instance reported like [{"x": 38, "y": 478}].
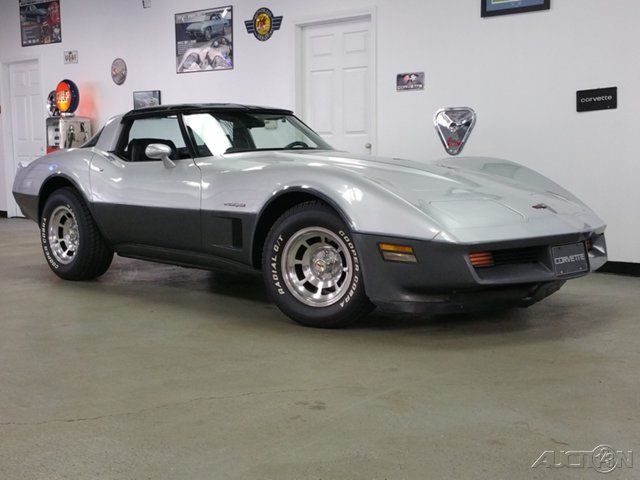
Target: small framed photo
[
  {"x": 148, "y": 98},
  {"x": 491, "y": 8}
]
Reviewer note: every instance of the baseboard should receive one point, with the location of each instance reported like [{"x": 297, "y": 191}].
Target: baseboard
[
  {"x": 3, "y": 214},
  {"x": 621, "y": 268}
]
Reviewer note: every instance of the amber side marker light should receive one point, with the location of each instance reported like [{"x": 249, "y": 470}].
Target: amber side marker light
[
  {"x": 481, "y": 259},
  {"x": 397, "y": 253}
]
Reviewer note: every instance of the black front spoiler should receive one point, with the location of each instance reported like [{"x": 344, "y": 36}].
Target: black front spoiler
[
  {"x": 518, "y": 296},
  {"x": 444, "y": 281}
]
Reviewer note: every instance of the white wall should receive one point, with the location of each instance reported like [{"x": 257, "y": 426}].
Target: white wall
[{"x": 520, "y": 73}]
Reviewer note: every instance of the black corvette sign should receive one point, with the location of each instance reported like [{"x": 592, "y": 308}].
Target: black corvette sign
[{"x": 597, "y": 99}]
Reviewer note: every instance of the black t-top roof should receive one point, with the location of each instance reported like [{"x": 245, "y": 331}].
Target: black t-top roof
[{"x": 162, "y": 110}]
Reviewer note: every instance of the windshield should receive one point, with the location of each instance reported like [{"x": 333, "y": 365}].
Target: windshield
[{"x": 232, "y": 132}]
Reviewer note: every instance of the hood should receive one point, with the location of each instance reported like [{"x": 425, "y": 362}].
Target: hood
[{"x": 471, "y": 197}]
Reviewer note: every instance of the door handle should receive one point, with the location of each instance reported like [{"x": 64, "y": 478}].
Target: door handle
[{"x": 367, "y": 146}]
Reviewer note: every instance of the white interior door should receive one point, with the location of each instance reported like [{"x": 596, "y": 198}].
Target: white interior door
[
  {"x": 27, "y": 119},
  {"x": 337, "y": 94}
]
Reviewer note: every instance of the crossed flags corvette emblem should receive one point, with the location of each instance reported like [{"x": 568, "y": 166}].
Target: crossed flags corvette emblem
[
  {"x": 454, "y": 125},
  {"x": 263, "y": 24}
]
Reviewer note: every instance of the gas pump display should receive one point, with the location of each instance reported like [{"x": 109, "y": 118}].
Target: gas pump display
[{"x": 64, "y": 129}]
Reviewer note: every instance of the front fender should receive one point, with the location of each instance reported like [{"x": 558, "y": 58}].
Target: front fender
[{"x": 367, "y": 207}]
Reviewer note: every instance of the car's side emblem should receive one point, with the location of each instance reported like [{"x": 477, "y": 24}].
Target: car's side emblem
[{"x": 454, "y": 125}]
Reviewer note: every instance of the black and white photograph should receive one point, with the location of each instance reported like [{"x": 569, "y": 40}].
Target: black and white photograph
[
  {"x": 204, "y": 40},
  {"x": 147, "y": 98}
]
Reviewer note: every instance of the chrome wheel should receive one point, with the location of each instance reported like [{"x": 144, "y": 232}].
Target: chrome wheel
[
  {"x": 63, "y": 234},
  {"x": 316, "y": 266}
]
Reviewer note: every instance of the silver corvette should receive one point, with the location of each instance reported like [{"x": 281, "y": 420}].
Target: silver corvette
[{"x": 225, "y": 186}]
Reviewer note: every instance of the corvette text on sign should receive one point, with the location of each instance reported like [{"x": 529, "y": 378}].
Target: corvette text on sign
[{"x": 597, "y": 99}]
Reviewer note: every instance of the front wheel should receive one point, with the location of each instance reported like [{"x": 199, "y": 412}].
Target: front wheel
[
  {"x": 312, "y": 269},
  {"x": 71, "y": 241}
]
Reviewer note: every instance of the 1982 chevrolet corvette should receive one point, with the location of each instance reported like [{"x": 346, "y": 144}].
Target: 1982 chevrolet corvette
[{"x": 221, "y": 186}]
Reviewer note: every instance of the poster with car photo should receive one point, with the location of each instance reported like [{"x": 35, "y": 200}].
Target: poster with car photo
[
  {"x": 40, "y": 22},
  {"x": 204, "y": 40}
]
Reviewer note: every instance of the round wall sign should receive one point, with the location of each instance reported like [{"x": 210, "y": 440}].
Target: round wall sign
[
  {"x": 119, "y": 71},
  {"x": 67, "y": 96},
  {"x": 263, "y": 24}
]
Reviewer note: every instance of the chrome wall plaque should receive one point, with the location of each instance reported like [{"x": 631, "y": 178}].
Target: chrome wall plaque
[{"x": 454, "y": 125}]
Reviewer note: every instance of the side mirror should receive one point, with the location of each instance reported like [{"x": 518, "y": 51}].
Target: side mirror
[{"x": 160, "y": 151}]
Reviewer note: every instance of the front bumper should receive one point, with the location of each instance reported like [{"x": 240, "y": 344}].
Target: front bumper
[{"x": 444, "y": 280}]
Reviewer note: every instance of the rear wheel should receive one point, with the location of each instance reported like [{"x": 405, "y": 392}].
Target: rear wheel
[
  {"x": 71, "y": 241},
  {"x": 312, "y": 269}
]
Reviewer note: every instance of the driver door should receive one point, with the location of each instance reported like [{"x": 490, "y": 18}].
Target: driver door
[{"x": 138, "y": 200}]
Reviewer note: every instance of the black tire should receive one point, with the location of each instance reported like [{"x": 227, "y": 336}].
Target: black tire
[
  {"x": 93, "y": 255},
  {"x": 350, "y": 303},
  {"x": 208, "y": 34}
]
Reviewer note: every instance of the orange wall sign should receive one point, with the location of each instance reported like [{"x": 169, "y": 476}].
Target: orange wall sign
[{"x": 67, "y": 96}]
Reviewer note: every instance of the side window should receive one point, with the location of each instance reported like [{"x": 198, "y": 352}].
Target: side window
[{"x": 145, "y": 131}]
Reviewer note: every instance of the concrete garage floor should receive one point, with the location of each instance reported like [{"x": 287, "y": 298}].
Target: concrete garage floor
[{"x": 158, "y": 372}]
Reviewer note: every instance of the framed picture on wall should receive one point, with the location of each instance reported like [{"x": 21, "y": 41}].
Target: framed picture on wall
[
  {"x": 491, "y": 8},
  {"x": 40, "y": 22},
  {"x": 148, "y": 98},
  {"x": 204, "y": 40}
]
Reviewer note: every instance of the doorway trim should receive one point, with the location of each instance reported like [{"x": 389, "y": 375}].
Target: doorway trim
[
  {"x": 369, "y": 13},
  {"x": 6, "y": 123}
]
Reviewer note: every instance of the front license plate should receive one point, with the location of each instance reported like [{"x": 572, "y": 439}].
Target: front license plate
[{"x": 570, "y": 259}]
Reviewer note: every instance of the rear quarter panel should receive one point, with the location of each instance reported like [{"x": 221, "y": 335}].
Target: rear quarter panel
[{"x": 71, "y": 164}]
